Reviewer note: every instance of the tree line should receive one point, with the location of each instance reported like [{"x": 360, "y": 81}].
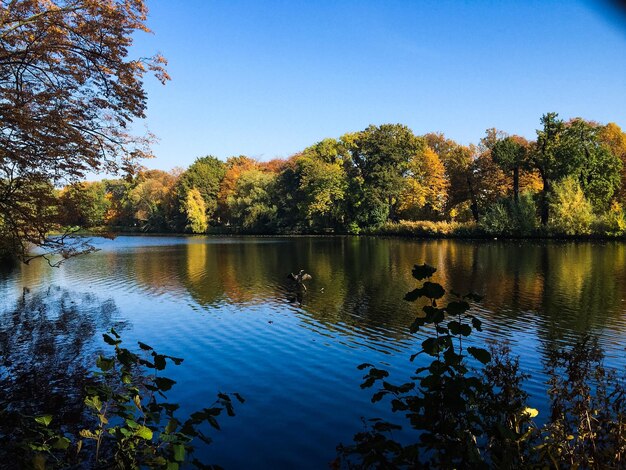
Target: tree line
[{"x": 570, "y": 180}]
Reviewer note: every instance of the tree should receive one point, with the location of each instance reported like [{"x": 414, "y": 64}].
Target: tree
[
  {"x": 571, "y": 212},
  {"x": 575, "y": 149},
  {"x": 322, "y": 186},
  {"x": 426, "y": 187},
  {"x": 205, "y": 175},
  {"x": 84, "y": 204},
  {"x": 320, "y": 172},
  {"x": 251, "y": 203},
  {"x": 614, "y": 138},
  {"x": 382, "y": 155},
  {"x": 195, "y": 211},
  {"x": 152, "y": 200},
  {"x": 235, "y": 166},
  {"x": 68, "y": 92},
  {"x": 511, "y": 154}
]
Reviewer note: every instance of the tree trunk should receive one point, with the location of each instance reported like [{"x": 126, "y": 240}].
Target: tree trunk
[
  {"x": 545, "y": 209},
  {"x": 516, "y": 185},
  {"x": 473, "y": 202}
]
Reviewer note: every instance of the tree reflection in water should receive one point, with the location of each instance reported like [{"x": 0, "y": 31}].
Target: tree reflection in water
[{"x": 47, "y": 344}]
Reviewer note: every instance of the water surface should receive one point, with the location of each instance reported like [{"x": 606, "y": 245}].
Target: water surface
[{"x": 223, "y": 305}]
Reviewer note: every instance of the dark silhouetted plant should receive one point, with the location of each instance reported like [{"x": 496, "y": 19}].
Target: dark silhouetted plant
[
  {"x": 478, "y": 417},
  {"x": 132, "y": 425}
]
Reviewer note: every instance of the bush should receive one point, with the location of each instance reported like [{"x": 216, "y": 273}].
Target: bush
[
  {"x": 426, "y": 228},
  {"x": 505, "y": 217},
  {"x": 613, "y": 223},
  {"x": 497, "y": 220},
  {"x": 571, "y": 213}
]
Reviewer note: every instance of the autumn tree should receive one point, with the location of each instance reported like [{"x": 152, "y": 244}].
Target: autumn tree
[
  {"x": 512, "y": 155},
  {"x": 426, "y": 187},
  {"x": 575, "y": 149},
  {"x": 84, "y": 204},
  {"x": 68, "y": 92},
  {"x": 614, "y": 138},
  {"x": 252, "y": 204},
  {"x": 153, "y": 200},
  {"x": 195, "y": 210},
  {"x": 205, "y": 175},
  {"x": 235, "y": 166}
]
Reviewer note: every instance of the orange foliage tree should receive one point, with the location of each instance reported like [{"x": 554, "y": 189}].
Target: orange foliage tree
[{"x": 68, "y": 92}]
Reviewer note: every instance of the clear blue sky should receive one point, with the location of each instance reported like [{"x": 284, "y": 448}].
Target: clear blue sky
[{"x": 268, "y": 78}]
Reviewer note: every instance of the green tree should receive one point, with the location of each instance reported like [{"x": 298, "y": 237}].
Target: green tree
[
  {"x": 205, "y": 175},
  {"x": 382, "y": 156},
  {"x": 511, "y": 154},
  {"x": 251, "y": 204},
  {"x": 322, "y": 183},
  {"x": 84, "y": 204},
  {"x": 571, "y": 213},
  {"x": 575, "y": 149}
]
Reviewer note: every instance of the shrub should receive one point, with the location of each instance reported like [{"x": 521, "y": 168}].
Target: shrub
[
  {"x": 131, "y": 427},
  {"x": 425, "y": 228},
  {"x": 571, "y": 213},
  {"x": 505, "y": 217},
  {"x": 497, "y": 220},
  {"x": 613, "y": 223}
]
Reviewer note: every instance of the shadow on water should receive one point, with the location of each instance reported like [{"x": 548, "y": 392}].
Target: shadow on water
[{"x": 47, "y": 344}]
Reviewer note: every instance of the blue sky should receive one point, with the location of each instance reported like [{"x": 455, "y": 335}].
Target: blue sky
[{"x": 268, "y": 78}]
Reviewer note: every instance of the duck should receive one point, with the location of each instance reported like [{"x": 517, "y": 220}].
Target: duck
[{"x": 300, "y": 278}]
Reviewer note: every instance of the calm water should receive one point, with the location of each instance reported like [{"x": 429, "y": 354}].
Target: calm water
[{"x": 222, "y": 304}]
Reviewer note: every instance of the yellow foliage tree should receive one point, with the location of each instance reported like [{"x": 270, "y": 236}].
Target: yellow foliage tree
[
  {"x": 195, "y": 211},
  {"x": 426, "y": 189}
]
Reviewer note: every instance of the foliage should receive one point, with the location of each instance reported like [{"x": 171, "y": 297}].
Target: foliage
[
  {"x": 426, "y": 187},
  {"x": 382, "y": 155},
  {"x": 575, "y": 149},
  {"x": 586, "y": 428},
  {"x": 195, "y": 210},
  {"x": 68, "y": 93},
  {"x": 570, "y": 211},
  {"x": 511, "y": 154},
  {"x": 323, "y": 186},
  {"x": 235, "y": 166},
  {"x": 427, "y": 228},
  {"x": 204, "y": 175},
  {"x": 506, "y": 217},
  {"x": 440, "y": 401},
  {"x": 251, "y": 203},
  {"x": 479, "y": 418},
  {"x": 374, "y": 181},
  {"x": 613, "y": 223},
  {"x": 84, "y": 204},
  {"x": 131, "y": 427},
  {"x": 153, "y": 200}
]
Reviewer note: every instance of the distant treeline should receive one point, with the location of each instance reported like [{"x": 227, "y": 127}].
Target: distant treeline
[{"x": 571, "y": 180}]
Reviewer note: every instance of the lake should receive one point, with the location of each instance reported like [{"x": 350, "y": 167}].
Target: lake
[{"x": 223, "y": 304}]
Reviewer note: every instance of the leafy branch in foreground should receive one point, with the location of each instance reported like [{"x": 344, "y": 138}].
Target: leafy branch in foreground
[
  {"x": 477, "y": 418},
  {"x": 131, "y": 425}
]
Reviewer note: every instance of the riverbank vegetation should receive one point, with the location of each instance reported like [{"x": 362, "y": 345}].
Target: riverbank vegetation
[{"x": 383, "y": 180}]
